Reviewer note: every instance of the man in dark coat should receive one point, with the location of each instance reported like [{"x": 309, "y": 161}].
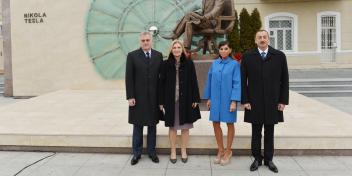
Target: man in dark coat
[
  {"x": 264, "y": 95},
  {"x": 142, "y": 74}
]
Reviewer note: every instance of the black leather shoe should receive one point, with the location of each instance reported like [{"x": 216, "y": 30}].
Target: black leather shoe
[
  {"x": 271, "y": 166},
  {"x": 255, "y": 165},
  {"x": 154, "y": 158},
  {"x": 184, "y": 160},
  {"x": 135, "y": 160}
]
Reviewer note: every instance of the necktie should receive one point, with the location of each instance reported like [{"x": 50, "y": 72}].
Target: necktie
[
  {"x": 147, "y": 55},
  {"x": 263, "y": 55}
]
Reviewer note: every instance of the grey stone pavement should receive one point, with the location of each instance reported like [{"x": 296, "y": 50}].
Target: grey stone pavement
[
  {"x": 77, "y": 164},
  {"x": 87, "y": 164},
  {"x": 342, "y": 103}
]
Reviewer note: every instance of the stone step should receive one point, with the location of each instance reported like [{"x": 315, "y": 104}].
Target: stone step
[
  {"x": 337, "y": 81},
  {"x": 319, "y": 83},
  {"x": 320, "y": 87},
  {"x": 326, "y": 93},
  {"x": 320, "y": 79},
  {"x": 331, "y": 87}
]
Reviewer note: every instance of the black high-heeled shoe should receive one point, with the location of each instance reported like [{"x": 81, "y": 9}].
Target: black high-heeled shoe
[
  {"x": 173, "y": 161},
  {"x": 184, "y": 160},
  {"x": 184, "y": 152}
]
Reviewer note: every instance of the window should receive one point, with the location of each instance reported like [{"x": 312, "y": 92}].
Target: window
[
  {"x": 282, "y": 28},
  {"x": 328, "y": 30}
]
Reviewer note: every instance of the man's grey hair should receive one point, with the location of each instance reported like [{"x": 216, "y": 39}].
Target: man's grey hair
[{"x": 145, "y": 33}]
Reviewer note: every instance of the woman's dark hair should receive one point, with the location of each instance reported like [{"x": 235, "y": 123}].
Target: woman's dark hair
[{"x": 223, "y": 43}]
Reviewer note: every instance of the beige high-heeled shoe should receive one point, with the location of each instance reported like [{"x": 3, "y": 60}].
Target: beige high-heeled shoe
[
  {"x": 226, "y": 160},
  {"x": 217, "y": 159}
]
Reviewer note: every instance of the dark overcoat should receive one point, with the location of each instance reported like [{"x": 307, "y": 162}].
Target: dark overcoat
[
  {"x": 188, "y": 91},
  {"x": 141, "y": 80},
  {"x": 265, "y": 84}
]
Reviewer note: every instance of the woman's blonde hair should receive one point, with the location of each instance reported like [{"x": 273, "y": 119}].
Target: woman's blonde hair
[{"x": 179, "y": 42}]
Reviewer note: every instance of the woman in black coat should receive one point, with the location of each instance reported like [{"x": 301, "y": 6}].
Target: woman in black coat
[{"x": 179, "y": 97}]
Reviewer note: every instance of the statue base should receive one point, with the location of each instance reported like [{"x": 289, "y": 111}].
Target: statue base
[
  {"x": 202, "y": 64},
  {"x": 202, "y": 57}
]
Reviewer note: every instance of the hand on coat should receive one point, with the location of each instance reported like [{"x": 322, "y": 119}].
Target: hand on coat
[
  {"x": 233, "y": 106},
  {"x": 208, "y": 104},
  {"x": 162, "y": 108},
  {"x": 280, "y": 107},
  {"x": 247, "y": 106},
  {"x": 132, "y": 102},
  {"x": 194, "y": 105}
]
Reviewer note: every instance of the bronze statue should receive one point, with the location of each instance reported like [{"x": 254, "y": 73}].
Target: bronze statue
[
  {"x": 208, "y": 22},
  {"x": 207, "y": 43}
]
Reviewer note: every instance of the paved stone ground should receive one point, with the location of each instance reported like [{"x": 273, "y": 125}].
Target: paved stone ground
[
  {"x": 70, "y": 164},
  {"x": 342, "y": 103},
  {"x": 77, "y": 164},
  {"x": 8, "y": 100}
]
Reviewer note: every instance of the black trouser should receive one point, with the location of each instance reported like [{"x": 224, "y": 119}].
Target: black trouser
[
  {"x": 268, "y": 142},
  {"x": 137, "y": 140}
]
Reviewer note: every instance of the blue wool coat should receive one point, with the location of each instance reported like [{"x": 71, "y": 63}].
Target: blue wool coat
[{"x": 223, "y": 86}]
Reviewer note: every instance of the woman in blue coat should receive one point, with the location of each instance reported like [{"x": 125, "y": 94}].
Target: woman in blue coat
[{"x": 223, "y": 91}]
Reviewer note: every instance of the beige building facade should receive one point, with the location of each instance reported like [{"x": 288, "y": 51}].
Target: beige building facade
[
  {"x": 48, "y": 40},
  {"x": 51, "y": 55},
  {"x": 1, "y": 43},
  {"x": 311, "y": 32}
]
